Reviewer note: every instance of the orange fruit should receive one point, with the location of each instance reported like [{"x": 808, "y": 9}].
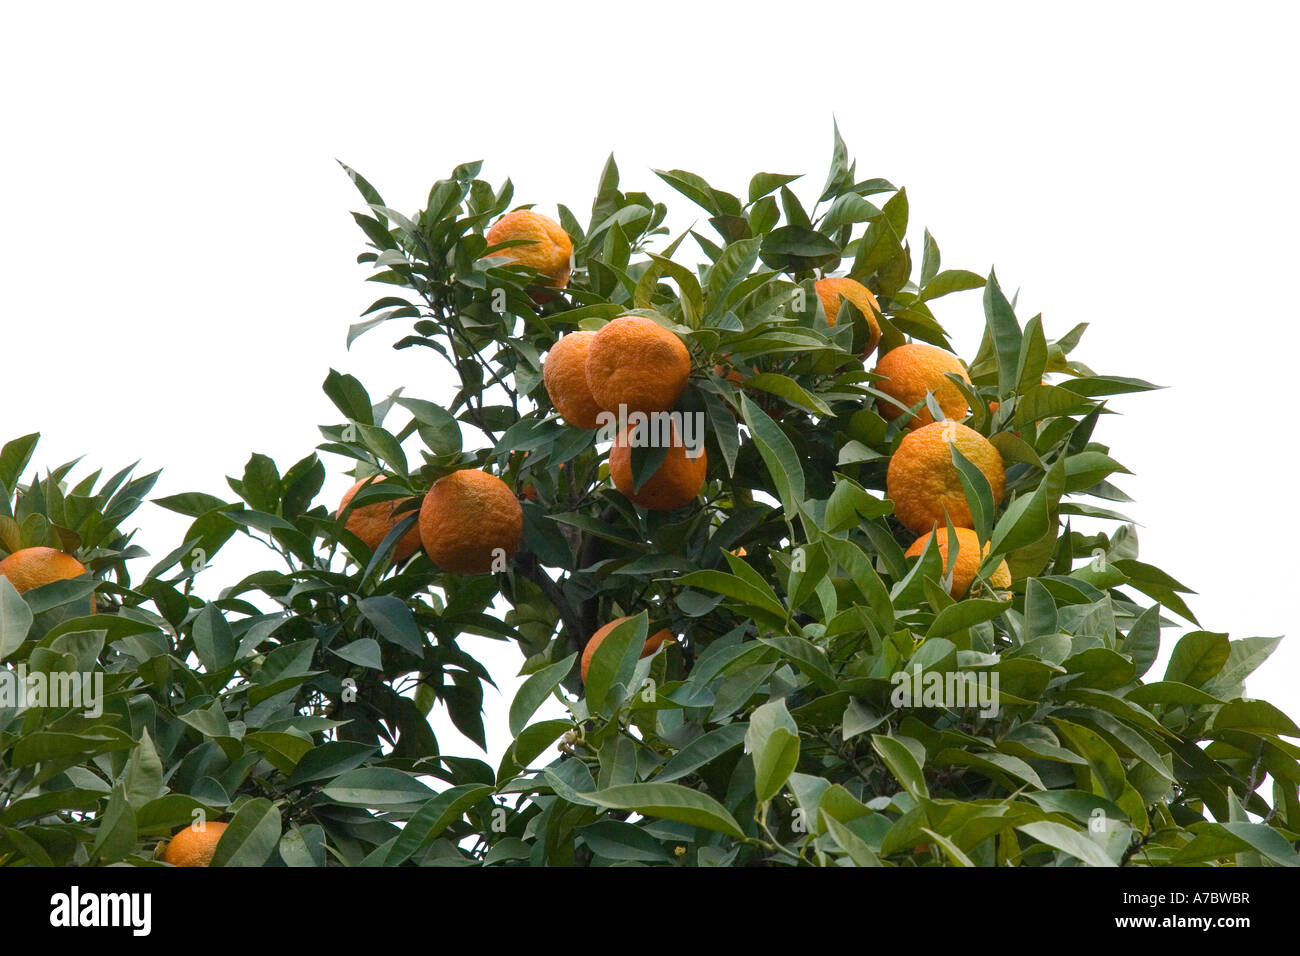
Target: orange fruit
[
  {"x": 922, "y": 480},
  {"x": 912, "y": 370},
  {"x": 731, "y": 375},
  {"x": 676, "y": 483},
  {"x": 29, "y": 568},
  {"x": 968, "y": 559},
  {"x": 193, "y": 847},
  {"x": 636, "y": 363},
  {"x": 549, "y": 249},
  {"x": 652, "y": 643},
  {"x": 466, "y": 517},
  {"x": 565, "y": 375},
  {"x": 829, "y": 291},
  {"x": 371, "y": 523}
]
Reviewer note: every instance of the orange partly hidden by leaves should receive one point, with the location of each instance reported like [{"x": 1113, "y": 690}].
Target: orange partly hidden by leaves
[
  {"x": 652, "y": 643},
  {"x": 565, "y": 375},
  {"x": 968, "y": 559},
  {"x": 371, "y": 523},
  {"x": 675, "y": 484},
  {"x": 922, "y": 480},
  {"x": 912, "y": 370},
  {"x": 829, "y": 291},
  {"x": 637, "y": 363},
  {"x": 30, "y": 568},
  {"x": 193, "y": 847},
  {"x": 731, "y": 375},
  {"x": 549, "y": 249},
  {"x": 467, "y": 518}
]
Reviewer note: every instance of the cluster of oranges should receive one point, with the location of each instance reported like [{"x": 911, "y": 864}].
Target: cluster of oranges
[
  {"x": 633, "y": 364},
  {"x": 922, "y": 480},
  {"x": 467, "y": 520}
]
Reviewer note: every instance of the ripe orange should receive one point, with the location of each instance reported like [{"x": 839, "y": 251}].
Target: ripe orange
[
  {"x": 466, "y": 517},
  {"x": 652, "y": 643},
  {"x": 565, "y": 375},
  {"x": 829, "y": 291},
  {"x": 29, "y": 568},
  {"x": 922, "y": 480},
  {"x": 968, "y": 559},
  {"x": 193, "y": 847},
  {"x": 371, "y": 523},
  {"x": 637, "y": 363},
  {"x": 550, "y": 250},
  {"x": 676, "y": 483},
  {"x": 914, "y": 369}
]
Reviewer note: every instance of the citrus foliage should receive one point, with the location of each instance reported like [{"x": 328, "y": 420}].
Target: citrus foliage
[{"x": 293, "y": 704}]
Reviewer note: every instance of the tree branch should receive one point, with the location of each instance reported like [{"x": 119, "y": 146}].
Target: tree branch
[{"x": 526, "y": 565}]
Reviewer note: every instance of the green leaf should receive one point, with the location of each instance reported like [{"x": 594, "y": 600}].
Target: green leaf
[
  {"x": 773, "y": 740},
  {"x": 701, "y": 751},
  {"x": 949, "y": 281},
  {"x": 1198, "y": 656},
  {"x": 1256, "y": 716},
  {"x": 330, "y": 759},
  {"x": 15, "y": 618},
  {"x": 376, "y": 788},
  {"x": 1006, "y": 335},
  {"x": 213, "y": 641},
  {"x": 393, "y": 620},
  {"x": 142, "y": 780},
  {"x": 349, "y": 397},
  {"x": 858, "y": 850},
  {"x": 14, "y": 458},
  {"x": 534, "y": 690},
  {"x": 433, "y": 818},
  {"x": 671, "y": 802},
  {"x": 789, "y": 389},
  {"x": 949, "y": 848},
  {"x": 763, "y": 183},
  {"x": 615, "y": 840},
  {"x": 902, "y": 763},
  {"x": 1070, "y": 842},
  {"x": 778, "y": 454},
  {"x": 251, "y": 837}
]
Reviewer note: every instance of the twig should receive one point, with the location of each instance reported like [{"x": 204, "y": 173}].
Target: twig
[{"x": 526, "y": 565}]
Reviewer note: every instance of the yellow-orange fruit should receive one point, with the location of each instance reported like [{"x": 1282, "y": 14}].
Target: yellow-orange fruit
[
  {"x": 652, "y": 643},
  {"x": 922, "y": 480},
  {"x": 30, "y": 568},
  {"x": 467, "y": 518},
  {"x": 968, "y": 559},
  {"x": 371, "y": 523},
  {"x": 674, "y": 485},
  {"x": 636, "y": 363},
  {"x": 912, "y": 370},
  {"x": 565, "y": 375},
  {"x": 829, "y": 291},
  {"x": 193, "y": 847},
  {"x": 549, "y": 249}
]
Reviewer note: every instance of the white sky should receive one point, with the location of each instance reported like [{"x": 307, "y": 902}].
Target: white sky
[{"x": 179, "y": 265}]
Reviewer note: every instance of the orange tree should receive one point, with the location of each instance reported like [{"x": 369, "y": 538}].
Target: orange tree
[{"x": 784, "y": 672}]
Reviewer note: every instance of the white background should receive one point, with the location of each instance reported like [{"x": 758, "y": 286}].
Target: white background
[{"x": 178, "y": 258}]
